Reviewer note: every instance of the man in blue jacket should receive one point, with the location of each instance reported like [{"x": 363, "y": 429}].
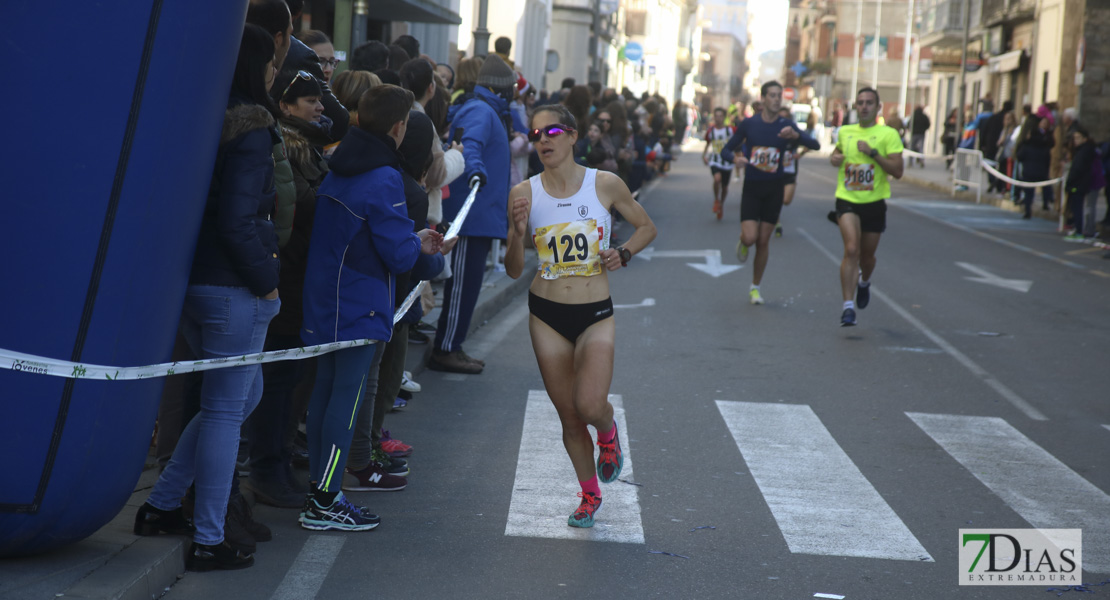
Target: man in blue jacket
[{"x": 485, "y": 121}]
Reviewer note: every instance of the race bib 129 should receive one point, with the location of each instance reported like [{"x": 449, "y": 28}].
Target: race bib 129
[{"x": 569, "y": 249}]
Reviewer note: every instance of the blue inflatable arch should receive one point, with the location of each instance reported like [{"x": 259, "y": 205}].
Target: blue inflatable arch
[{"x": 113, "y": 114}]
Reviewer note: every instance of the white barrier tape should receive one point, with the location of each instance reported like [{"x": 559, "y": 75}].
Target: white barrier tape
[
  {"x": 29, "y": 363},
  {"x": 452, "y": 231},
  {"x": 40, "y": 365},
  {"x": 1011, "y": 181},
  {"x": 457, "y": 224},
  {"x": 912, "y": 154}
]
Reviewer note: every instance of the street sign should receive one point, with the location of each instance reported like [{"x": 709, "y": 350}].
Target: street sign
[
  {"x": 633, "y": 51},
  {"x": 789, "y": 93}
]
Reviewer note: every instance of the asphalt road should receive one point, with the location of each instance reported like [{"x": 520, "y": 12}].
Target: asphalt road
[{"x": 773, "y": 454}]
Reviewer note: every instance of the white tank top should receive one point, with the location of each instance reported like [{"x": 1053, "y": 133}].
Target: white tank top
[{"x": 569, "y": 233}]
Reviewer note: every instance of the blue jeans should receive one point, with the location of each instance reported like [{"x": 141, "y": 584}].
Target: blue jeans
[
  {"x": 345, "y": 379},
  {"x": 217, "y": 321}
]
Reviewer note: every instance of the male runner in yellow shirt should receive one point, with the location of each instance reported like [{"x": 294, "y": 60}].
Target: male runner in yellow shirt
[{"x": 866, "y": 155}]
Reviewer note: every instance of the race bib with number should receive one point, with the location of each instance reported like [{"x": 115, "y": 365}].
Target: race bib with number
[
  {"x": 569, "y": 249},
  {"x": 718, "y": 145},
  {"x": 765, "y": 158},
  {"x": 789, "y": 162},
  {"x": 859, "y": 178}
]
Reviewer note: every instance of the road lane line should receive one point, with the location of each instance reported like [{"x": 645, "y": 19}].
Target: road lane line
[
  {"x": 1012, "y": 397},
  {"x": 822, "y": 502},
  {"x": 310, "y": 568},
  {"x": 545, "y": 490},
  {"x": 1035, "y": 484}
]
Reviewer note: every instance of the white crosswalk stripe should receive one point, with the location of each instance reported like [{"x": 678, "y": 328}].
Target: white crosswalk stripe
[
  {"x": 1035, "y": 484},
  {"x": 821, "y": 501},
  {"x": 545, "y": 490}
]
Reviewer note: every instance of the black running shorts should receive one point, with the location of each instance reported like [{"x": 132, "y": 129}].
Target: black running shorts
[
  {"x": 761, "y": 200},
  {"x": 872, "y": 215},
  {"x": 726, "y": 174}
]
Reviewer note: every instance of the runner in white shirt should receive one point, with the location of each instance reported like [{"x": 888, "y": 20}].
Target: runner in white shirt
[
  {"x": 716, "y": 135},
  {"x": 564, "y": 212}
]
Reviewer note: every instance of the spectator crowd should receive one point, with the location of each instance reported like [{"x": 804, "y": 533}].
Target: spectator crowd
[{"x": 330, "y": 195}]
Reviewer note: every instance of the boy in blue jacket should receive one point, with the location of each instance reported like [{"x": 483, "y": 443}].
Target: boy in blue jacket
[{"x": 361, "y": 238}]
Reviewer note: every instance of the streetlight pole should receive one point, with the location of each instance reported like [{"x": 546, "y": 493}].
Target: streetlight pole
[
  {"x": 481, "y": 34},
  {"x": 855, "y": 59},
  {"x": 595, "y": 44},
  {"x": 963, "y": 72},
  {"x": 876, "y": 46},
  {"x": 906, "y": 49}
]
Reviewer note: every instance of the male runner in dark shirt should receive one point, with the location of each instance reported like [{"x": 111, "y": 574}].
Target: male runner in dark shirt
[{"x": 765, "y": 138}]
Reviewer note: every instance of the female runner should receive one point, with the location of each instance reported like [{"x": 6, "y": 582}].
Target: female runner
[{"x": 564, "y": 211}]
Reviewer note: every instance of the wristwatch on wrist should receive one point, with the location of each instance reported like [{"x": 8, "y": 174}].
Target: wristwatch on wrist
[
  {"x": 625, "y": 255},
  {"x": 874, "y": 153}
]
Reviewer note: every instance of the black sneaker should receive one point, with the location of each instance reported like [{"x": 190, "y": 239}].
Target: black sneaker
[
  {"x": 425, "y": 327},
  {"x": 418, "y": 337},
  {"x": 393, "y": 466},
  {"x": 152, "y": 521},
  {"x": 848, "y": 318},
  {"x": 235, "y": 532},
  {"x": 863, "y": 295},
  {"x": 222, "y": 557},
  {"x": 238, "y": 506}
]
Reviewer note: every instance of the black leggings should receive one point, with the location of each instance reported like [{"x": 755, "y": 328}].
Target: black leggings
[{"x": 569, "y": 320}]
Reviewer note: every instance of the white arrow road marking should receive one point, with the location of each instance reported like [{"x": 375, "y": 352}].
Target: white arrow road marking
[
  {"x": 544, "y": 492},
  {"x": 984, "y": 276},
  {"x": 712, "y": 266},
  {"x": 821, "y": 501},
  {"x": 646, "y": 302},
  {"x": 1037, "y": 485}
]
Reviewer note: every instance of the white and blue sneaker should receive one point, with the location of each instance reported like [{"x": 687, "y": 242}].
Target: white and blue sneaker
[{"x": 341, "y": 515}]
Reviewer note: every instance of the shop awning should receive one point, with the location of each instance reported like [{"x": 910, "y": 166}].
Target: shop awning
[
  {"x": 1004, "y": 63},
  {"x": 416, "y": 11}
]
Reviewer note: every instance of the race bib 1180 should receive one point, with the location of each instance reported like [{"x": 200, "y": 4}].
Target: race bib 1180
[
  {"x": 569, "y": 249},
  {"x": 859, "y": 178}
]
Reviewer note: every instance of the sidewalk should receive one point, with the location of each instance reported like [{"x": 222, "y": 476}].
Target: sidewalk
[{"x": 113, "y": 563}]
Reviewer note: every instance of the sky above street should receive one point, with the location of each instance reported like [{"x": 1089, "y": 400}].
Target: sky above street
[{"x": 767, "y": 24}]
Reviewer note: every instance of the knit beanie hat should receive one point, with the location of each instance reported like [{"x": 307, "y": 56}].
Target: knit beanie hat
[{"x": 495, "y": 74}]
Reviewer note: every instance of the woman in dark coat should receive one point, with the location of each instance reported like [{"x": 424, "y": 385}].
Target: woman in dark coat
[
  {"x": 1034, "y": 152},
  {"x": 231, "y": 298}
]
